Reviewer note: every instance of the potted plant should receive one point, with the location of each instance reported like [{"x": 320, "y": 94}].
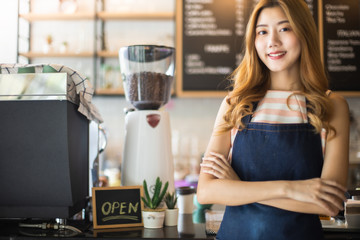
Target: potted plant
[
  {"x": 48, "y": 47},
  {"x": 172, "y": 212},
  {"x": 153, "y": 216}
]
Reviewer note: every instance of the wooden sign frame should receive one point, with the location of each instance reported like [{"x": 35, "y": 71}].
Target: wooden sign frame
[
  {"x": 179, "y": 58},
  {"x": 119, "y": 204}
]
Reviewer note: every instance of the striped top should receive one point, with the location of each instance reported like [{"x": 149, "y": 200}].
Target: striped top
[{"x": 281, "y": 107}]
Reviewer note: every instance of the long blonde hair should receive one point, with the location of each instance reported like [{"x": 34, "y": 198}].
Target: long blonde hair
[{"x": 251, "y": 79}]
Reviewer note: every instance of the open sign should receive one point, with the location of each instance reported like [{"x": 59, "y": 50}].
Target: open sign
[{"x": 117, "y": 206}]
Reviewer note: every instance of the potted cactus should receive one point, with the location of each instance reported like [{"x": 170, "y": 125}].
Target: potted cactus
[
  {"x": 153, "y": 215},
  {"x": 172, "y": 212}
]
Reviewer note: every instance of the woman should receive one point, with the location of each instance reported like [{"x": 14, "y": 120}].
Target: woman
[{"x": 289, "y": 159}]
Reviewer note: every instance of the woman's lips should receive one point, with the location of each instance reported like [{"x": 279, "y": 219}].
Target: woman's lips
[{"x": 276, "y": 55}]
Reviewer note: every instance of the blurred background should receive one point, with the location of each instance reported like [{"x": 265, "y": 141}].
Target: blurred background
[{"x": 70, "y": 32}]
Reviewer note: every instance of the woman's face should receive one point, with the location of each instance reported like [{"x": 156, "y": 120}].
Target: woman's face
[{"x": 276, "y": 44}]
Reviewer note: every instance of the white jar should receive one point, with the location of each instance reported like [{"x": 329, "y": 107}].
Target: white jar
[{"x": 185, "y": 200}]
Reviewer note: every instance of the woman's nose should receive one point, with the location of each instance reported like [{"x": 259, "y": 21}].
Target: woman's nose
[{"x": 274, "y": 40}]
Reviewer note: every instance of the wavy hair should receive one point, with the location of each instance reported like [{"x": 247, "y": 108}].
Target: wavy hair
[{"x": 251, "y": 79}]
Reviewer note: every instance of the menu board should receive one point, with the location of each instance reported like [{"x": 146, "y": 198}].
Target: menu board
[
  {"x": 210, "y": 36},
  {"x": 314, "y": 9},
  {"x": 341, "y": 43}
]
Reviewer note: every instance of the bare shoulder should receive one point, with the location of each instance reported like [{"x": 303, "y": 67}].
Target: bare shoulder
[
  {"x": 341, "y": 114},
  {"x": 219, "y": 121},
  {"x": 338, "y": 99},
  {"x": 340, "y": 105},
  {"x": 223, "y": 107}
]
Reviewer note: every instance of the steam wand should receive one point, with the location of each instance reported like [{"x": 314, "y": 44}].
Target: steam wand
[{"x": 59, "y": 225}]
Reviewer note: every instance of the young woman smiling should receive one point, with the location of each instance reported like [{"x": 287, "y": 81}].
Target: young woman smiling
[{"x": 278, "y": 154}]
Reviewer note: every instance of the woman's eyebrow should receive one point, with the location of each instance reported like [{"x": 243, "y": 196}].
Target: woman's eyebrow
[
  {"x": 266, "y": 25},
  {"x": 282, "y": 22}
]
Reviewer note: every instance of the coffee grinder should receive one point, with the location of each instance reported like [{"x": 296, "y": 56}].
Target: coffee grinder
[{"x": 148, "y": 74}]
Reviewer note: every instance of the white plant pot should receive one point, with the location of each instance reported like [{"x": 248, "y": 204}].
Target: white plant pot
[
  {"x": 171, "y": 217},
  {"x": 153, "y": 218}
]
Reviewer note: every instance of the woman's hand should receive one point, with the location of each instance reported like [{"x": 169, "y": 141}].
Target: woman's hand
[
  {"x": 218, "y": 166},
  {"x": 327, "y": 194}
]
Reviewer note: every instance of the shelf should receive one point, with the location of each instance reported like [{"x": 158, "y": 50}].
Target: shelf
[
  {"x": 57, "y": 16},
  {"x": 136, "y": 15},
  {"x": 101, "y": 15},
  {"x": 98, "y": 19},
  {"x": 109, "y": 91},
  {"x": 107, "y": 54},
  {"x": 56, "y": 54}
]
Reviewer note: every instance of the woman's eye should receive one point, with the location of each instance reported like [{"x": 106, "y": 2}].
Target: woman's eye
[
  {"x": 285, "y": 29},
  {"x": 261, "y": 32}
]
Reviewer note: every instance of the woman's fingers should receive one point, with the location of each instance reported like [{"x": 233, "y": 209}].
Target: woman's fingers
[
  {"x": 333, "y": 193},
  {"x": 218, "y": 159},
  {"x": 213, "y": 172},
  {"x": 333, "y": 200},
  {"x": 221, "y": 157},
  {"x": 212, "y": 165},
  {"x": 214, "y": 161},
  {"x": 329, "y": 208},
  {"x": 336, "y": 187},
  {"x": 327, "y": 194},
  {"x": 218, "y": 166},
  {"x": 331, "y": 190}
]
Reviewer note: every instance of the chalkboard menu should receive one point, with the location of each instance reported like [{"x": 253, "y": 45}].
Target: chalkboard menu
[
  {"x": 341, "y": 43},
  {"x": 314, "y": 9},
  {"x": 210, "y": 37}
]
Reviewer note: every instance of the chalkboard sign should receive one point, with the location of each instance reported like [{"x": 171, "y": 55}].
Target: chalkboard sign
[
  {"x": 117, "y": 206},
  {"x": 314, "y": 9},
  {"x": 341, "y": 43},
  {"x": 210, "y": 36},
  {"x": 210, "y": 42}
]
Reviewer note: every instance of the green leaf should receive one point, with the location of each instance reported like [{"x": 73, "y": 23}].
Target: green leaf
[
  {"x": 162, "y": 194},
  {"x": 145, "y": 202},
  {"x": 158, "y": 196},
  {"x": 170, "y": 200},
  {"x": 146, "y": 191},
  {"x": 164, "y": 191},
  {"x": 175, "y": 201},
  {"x": 158, "y": 186}
]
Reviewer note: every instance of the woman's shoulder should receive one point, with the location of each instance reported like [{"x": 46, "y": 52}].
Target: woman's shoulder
[
  {"x": 224, "y": 104},
  {"x": 337, "y": 100},
  {"x": 340, "y": 106}
]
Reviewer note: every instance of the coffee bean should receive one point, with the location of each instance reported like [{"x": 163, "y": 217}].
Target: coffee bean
[{"x": 148, "y": 90}]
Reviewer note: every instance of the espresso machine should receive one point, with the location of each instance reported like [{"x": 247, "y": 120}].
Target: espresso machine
[{"x": 148, "y": 74}]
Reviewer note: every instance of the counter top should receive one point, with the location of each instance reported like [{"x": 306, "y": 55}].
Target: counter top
[{"x": 186, "y": 229}]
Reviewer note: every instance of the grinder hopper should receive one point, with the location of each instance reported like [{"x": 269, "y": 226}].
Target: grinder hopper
[{"x": 148, "y": 73}]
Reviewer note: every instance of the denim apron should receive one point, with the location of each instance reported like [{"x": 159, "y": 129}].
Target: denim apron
[{"x": 266, "y": 152}]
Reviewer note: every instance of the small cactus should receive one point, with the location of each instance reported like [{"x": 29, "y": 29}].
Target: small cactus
[
  {"x": 158, "y": 195},
  {"x": 170, "y": 200}
]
